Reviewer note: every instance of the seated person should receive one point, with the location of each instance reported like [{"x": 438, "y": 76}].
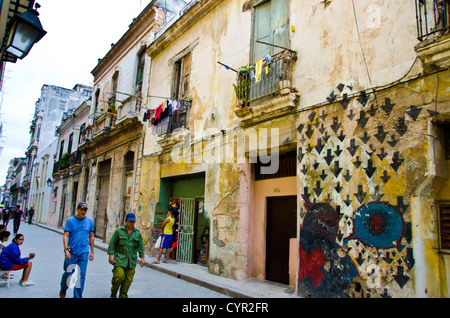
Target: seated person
[{"x": 10, "y": 260}]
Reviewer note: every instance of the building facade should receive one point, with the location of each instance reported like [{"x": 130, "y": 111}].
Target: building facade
[
  {"x": 50, "y": 107},
  {"x": 112, "y": 144},
  {"x": 339, "y": 184},
  {"x": 66, "y": 174}
]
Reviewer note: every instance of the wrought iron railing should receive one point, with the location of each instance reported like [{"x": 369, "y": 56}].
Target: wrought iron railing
[
  {"x": 432, "y": 17},
  {"x": 178, "y": 119},
  {"x": 67, "y": 161},
  {"x": 274, "y": 70}
]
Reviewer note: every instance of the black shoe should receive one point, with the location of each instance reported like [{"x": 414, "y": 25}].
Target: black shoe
[{"x": 62, "y": 294}]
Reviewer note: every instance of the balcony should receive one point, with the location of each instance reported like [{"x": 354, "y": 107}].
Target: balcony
[
  {"x": 104, "y": 122},
  {"x": 433, "y": 30},
  {"x": 129, "y": 108},
  {"x": 432, "y": 17},
  {"x": 166, "y": 129},
  {"x": 69, "y": 163},
  {"x": 273, "y": 95}
]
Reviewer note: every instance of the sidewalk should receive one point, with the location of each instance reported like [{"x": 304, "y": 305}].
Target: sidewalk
[{"x": 197, "y": 274}]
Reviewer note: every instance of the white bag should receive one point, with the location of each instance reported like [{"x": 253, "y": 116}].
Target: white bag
[{"x": 158, "y": 243}]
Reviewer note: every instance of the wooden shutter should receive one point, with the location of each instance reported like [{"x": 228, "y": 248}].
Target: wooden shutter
[
  {"x": 186, "y": 73},
  {"x": 444, "y": 219},
  {"x": 270, "y": 25}
]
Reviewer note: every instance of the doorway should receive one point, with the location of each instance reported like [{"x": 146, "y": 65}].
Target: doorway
[
  {"x": 281, "y": 227},
  {"x": 102, "y": 198}
]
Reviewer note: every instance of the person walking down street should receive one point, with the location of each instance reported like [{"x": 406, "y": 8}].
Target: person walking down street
[
  {"x": 123, "y": 248},
  {"x": 18, "y": 214},
  {"x": 167, "y": 236},
  {"x": 78, "y": 241},
  {"x": 10, "y": 260},
  {"x": 6, "y": 216},
  {"x": 30, "y": 215}
]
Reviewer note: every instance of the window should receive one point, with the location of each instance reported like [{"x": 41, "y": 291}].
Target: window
[
  {"x": 287, "y": 167},
  {"x": 140, "y": 71},
  {"x": 446, "y": 129},
  {"x": 61, "y": 150},
  {"x": 444, "y": 226},
  {"x": 270, "y": 25},
  {"x": 69, "y": 146},
  {"x": 115, "y": 81},
  {"x": 181, "y": 80},
  {"x": 129, "y": 162}
]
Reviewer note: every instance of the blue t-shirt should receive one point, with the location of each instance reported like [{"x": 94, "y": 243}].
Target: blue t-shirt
[{"x": 79, "y": 233}]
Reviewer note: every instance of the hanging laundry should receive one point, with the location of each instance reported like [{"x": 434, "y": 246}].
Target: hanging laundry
[
  {"x": 258, "y": 70},
  {"x": 146, "y": 116},
  {"x": 157, "y": 115}
]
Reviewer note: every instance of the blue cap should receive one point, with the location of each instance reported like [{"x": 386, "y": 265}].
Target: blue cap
[{"x": 130, "y": 217}]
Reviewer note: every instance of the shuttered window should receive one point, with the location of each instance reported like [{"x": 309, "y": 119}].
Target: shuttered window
[
  {"x": 444, "y": 223},
  {"x": 270, "y": 25},
  {"x": 287, "y": 167},
  {"x": 181, "y": 79}
]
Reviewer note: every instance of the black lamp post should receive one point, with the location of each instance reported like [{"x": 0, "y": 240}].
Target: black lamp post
[{"x": 25, "y": 30}]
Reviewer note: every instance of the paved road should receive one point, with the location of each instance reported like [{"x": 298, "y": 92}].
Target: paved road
[{"x": 48, "y": 268}]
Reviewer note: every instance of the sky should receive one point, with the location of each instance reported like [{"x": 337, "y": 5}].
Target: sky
[{"x": 78, "y": 34}]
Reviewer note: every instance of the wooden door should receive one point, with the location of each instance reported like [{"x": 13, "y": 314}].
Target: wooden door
[{"x": 281, "y": 227}]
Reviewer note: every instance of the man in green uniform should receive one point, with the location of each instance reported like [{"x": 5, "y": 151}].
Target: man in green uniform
[{"x": 123, "y": 248}]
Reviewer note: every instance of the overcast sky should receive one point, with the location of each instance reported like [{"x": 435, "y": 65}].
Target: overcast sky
[{"x": 78, "y": 34}]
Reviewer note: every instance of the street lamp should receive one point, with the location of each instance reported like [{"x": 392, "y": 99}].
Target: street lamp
[
  {"x": 49, "y": 182},
  {"x": 25, "y": 30}
]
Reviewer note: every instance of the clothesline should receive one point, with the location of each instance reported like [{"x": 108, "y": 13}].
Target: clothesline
[{"x": 164, "y": 110}]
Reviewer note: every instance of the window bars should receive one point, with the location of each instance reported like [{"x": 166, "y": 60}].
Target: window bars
[{"x": 432, "y": 17}]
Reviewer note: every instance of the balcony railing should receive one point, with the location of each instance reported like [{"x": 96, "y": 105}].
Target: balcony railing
[
  {"x": 275, "y": 73},
  {"x": 432, "y": 17},
  {"x": 68, "y": 161},
  {"x": 177, "y": 120}
]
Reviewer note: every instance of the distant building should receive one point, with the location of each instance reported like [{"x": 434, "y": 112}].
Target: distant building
[{"x": 50, "y": 108}]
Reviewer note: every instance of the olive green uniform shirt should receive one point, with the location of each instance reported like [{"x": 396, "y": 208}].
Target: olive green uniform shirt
[{"x": 125, "y": 247}]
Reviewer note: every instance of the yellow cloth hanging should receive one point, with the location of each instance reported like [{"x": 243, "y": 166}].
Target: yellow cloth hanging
[{"x": 258, "y": 70}]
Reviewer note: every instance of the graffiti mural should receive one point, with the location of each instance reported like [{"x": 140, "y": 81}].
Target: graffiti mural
[
  {"x": 355, "y": 235},
  {"x": 327, "y": 269}
]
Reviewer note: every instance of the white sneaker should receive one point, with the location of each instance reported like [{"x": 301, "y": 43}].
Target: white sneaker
[{"x": 27, "y": 283}]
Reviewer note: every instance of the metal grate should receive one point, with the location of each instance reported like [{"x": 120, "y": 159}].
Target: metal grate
[
  {"x": 186, "y": 230},
  {"x": 278, "y": 69}
]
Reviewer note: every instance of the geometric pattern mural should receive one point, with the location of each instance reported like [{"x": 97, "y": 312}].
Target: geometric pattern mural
[{"x": 355, "y": 237}]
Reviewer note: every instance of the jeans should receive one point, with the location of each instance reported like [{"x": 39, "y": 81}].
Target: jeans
[
  {"x": 76, "y": 265},
  {"x": 122, "y": 277}
]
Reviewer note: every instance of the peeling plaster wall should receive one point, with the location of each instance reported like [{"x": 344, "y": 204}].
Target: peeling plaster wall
[
  {"x": 209, "y": 114},
  {"x": 361, "y": 157}
]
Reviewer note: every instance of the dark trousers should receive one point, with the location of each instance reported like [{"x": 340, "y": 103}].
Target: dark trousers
[{"x": 16, "y": 225}]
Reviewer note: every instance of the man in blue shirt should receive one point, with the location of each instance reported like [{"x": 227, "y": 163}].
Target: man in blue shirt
[{"x": 78, "y": 241}]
